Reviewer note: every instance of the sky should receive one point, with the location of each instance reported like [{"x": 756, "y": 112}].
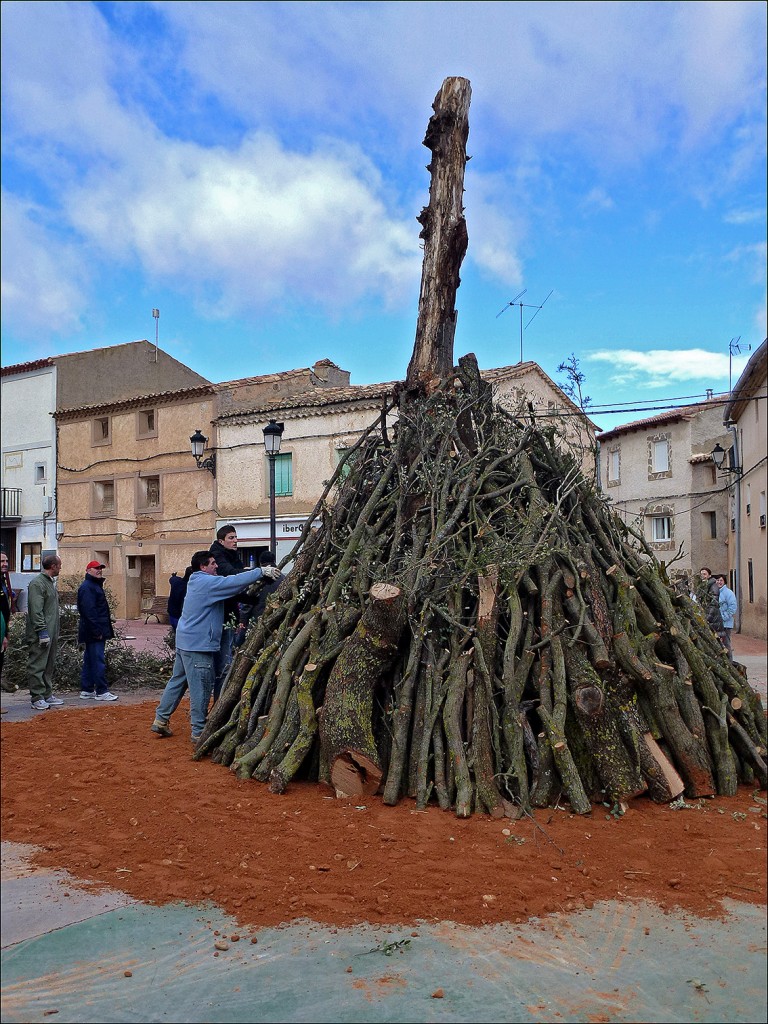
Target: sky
[{"x": 255, "y": 170}]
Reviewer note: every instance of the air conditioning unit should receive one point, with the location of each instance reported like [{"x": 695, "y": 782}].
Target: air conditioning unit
[{"x": 47, "y": 505}]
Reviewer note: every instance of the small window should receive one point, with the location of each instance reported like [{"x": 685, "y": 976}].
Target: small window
[
  {"x": 660, "y": 456},
  {"x": 31, "y": 557},
  {"x": 104, "y": 497},
  {"x": 146, "y": 423},
  {"x": 710, "y": 525},
  {"x": 661, "y": 528},
  {"x": 41, "y": 473},
  {"x": 614, "y": 466},
  {"x": 751, "y": 581},
  {"x": 148, "y": 495},
  {"x": 283, "y": 475},
  {"x": 102, "y": 430},
  {"x": 762, "y": 510}
]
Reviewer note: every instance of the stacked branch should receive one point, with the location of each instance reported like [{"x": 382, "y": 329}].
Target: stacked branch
[{"x": 467, "y": 621}]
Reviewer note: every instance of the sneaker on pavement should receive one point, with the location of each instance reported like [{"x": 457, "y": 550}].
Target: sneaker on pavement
[
  {"x": 161, "y": 728},
  {"x": 40, "y": 705},
  {"x": 107, "y": 696},
  {"x": 87, "y": 695},
  {"x": 53, "y": 700}
]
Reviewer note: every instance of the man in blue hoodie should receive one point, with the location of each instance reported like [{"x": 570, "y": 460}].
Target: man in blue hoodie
[{"x": 198, "y": 639}]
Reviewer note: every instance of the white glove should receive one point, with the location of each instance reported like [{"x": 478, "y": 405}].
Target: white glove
[
  {"x": 272, "y": 572},
  {"x": 43, "y": 639}
]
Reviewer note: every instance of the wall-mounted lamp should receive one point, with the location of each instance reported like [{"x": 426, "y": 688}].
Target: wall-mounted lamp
[
  {"x": 198, "y": 441},
  {"x": 718, "y": 455}
]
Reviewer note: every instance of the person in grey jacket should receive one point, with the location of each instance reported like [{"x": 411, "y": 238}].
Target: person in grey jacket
[
  {"x": 198, "y": 639},
  {"x": 728, "y": 609},
  {"x": 43, "y": 634}
]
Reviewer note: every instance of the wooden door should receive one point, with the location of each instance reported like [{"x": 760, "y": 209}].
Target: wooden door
[{"x": 147, "y": 582}]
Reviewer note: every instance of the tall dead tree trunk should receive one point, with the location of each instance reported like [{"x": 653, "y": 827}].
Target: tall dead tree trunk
[{"x": 444, "y": 231}]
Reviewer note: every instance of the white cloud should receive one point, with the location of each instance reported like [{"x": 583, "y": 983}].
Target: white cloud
[
  {"x": 598, "y": 199},
  {"x": 660, "y": 367},
  {"x": 44, "y": 279},
  {"x": 739, "y": 217},
  {"x": 625, "y": 79},
  {"x": 259, "y": 223},
  {"x": 752, "y": 257}
]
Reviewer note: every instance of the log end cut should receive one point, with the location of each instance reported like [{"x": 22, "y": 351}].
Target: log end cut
[{"x": 354, "y": 775}]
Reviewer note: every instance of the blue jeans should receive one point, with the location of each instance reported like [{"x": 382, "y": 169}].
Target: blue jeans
[
  {"x": 193, "y": 669},
  {"x": 94, "y": 673},
  {"x": 222, "y": 660}
]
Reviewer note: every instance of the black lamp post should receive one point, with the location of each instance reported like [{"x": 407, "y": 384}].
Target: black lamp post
[
  {"x": 718, "y": 455},
  {"x": 198, "y": 441},
  {"x": 273, "y": 435}
]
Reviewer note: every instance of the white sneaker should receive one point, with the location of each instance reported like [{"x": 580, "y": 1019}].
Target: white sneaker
[
  {"x": 54, "y": 700},
  {"x": 87, "y": 695},
  {"x": 107, "y": 696},
  {"x": 40, "y": 705}
]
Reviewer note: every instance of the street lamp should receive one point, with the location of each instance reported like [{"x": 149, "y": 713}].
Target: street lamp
[
  {"x": 718, "y": 455},
  {"x": 198, "y": 441},
  {"x": 273, "y": 435}
]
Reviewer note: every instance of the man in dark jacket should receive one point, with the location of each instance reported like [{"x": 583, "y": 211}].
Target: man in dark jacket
[
  {"x": 94, "y": 630},
  {"x": 177, "y": 595},
  {"x": 229, "y": 563}
]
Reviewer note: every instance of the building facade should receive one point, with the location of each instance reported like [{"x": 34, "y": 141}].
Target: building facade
[
  {"x": 746, "y": 417},
  {"x": 28, "y": 466},
  {"x": 320, "y": 424},
  {"x": 130, "y": 494},
  {"x": 660, "y": 476},
  {"x": 32, "y": 393}
]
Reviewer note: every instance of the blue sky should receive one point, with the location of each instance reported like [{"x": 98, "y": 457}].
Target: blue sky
[{"x": 254, "y": 170}]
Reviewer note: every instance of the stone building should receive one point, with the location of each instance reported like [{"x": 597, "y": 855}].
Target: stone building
[
  {"x": 660, "y": 476},
  {"x": 129, "y": 492},
  {"x": 746, "y": 415},
  {"x": 31, "y": 393}
]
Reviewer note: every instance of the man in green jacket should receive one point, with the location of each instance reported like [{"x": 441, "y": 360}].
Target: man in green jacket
[{"x": 43, "y": 634}]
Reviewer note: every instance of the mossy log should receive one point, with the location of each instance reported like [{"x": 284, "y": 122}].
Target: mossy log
[{"x": 346, "y": 733}]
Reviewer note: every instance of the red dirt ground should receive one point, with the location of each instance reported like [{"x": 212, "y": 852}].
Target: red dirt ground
[{"x": 111, "y": 803}]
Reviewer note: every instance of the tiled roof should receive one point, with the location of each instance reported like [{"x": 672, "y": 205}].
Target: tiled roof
[
  {"x": 35, "y": 364},
  {"x": 268, "y": 378},
  {"x": 314, "y": 399},
  {"x": 683, "y": 412},
  {"x": 137, "y": 400},
  {"x": 371, "y": 393}
]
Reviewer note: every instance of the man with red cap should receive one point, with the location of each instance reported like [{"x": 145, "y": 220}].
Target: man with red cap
[{"x": 94, "y": 630}]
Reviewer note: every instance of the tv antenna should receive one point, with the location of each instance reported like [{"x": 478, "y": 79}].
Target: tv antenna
[
  {"x": 523, "y": 305},
  {"x": 156, "y": 315},
  {"x": 734, "y": 349}
]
